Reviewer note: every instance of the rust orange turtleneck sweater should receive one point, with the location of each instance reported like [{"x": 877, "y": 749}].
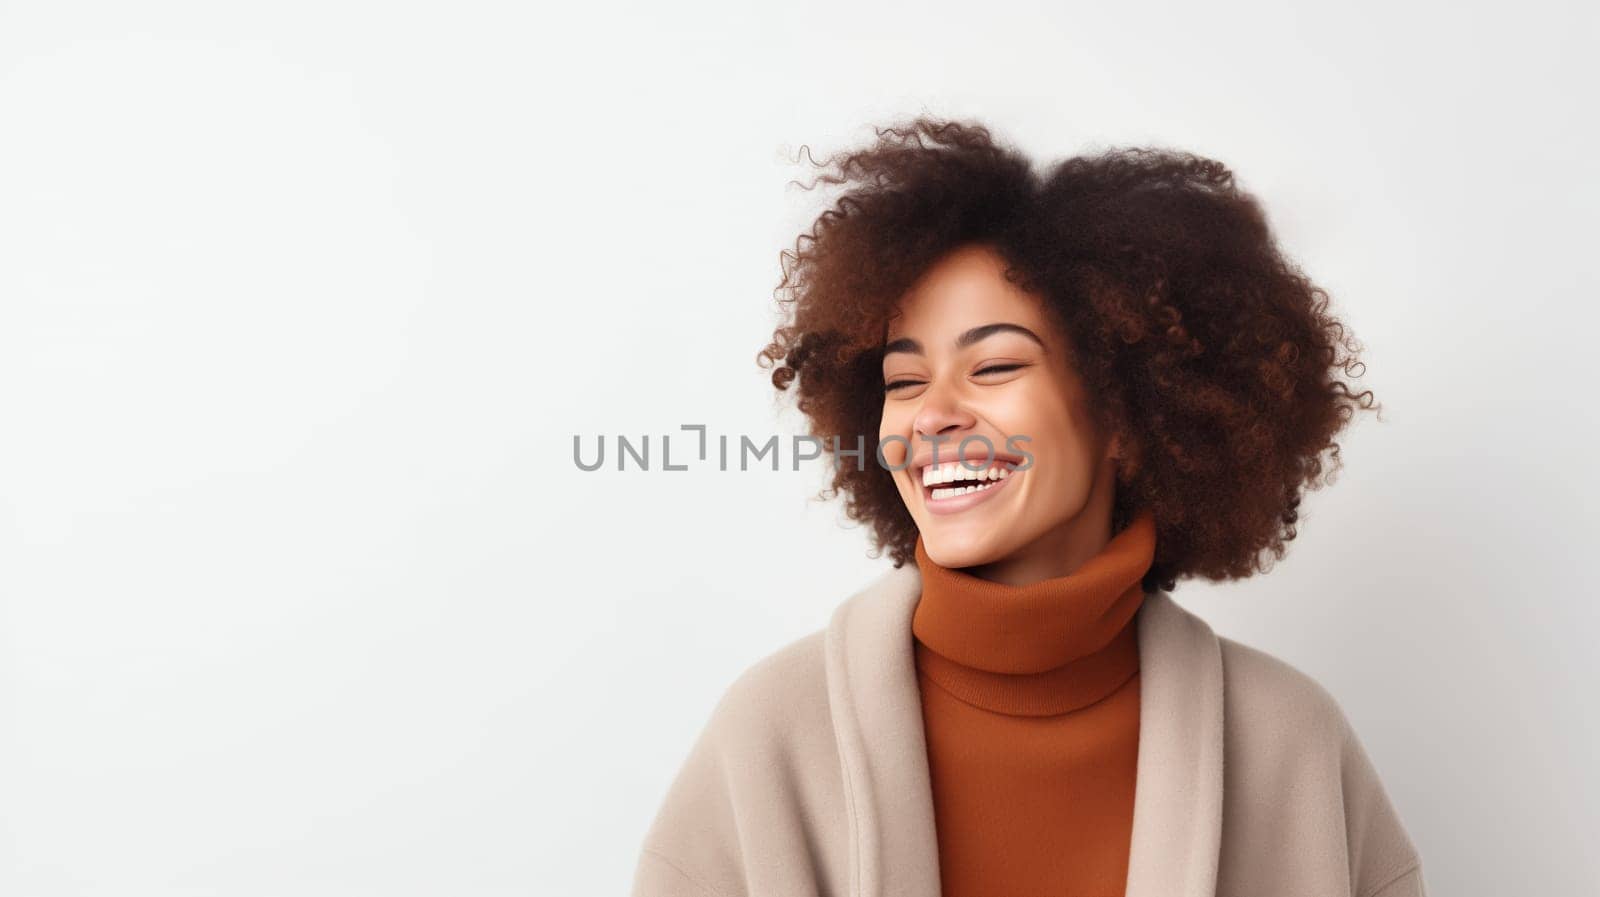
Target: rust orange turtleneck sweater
[{"x": 1030, "y": 701}]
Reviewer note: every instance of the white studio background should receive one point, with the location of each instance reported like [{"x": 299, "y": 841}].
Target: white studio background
[{"x": 302, "y": 304}]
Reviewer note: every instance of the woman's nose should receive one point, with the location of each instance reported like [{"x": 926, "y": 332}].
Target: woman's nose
[{"x": 941, "y": 412}]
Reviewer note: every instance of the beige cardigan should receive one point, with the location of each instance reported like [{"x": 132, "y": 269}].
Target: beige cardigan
[{"x": 811, "y": 777}]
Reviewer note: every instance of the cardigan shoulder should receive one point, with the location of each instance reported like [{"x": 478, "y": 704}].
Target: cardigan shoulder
[
  {"x": 1279, "y": 698},
  {"x": 778, "y": 696},
  {"x": 759, "y": 789},
  {"x": 1283, "y": 721}
]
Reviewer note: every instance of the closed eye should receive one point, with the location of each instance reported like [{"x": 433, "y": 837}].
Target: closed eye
[
  {"x": 991, "y": 369},
  {"x": 998, "y": 369}
]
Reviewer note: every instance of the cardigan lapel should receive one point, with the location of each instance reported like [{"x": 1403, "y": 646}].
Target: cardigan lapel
[
  {"x": 876, "y": 707},
  {"x": 877, "y": 717},
  {"x": 1177, "y": 802}
]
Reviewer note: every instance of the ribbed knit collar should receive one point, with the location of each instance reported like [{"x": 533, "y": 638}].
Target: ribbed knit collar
[{"x": 1041, "y": 649}]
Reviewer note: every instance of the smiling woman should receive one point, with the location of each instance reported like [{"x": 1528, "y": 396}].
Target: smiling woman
[{"x": 1086, "y": 384}]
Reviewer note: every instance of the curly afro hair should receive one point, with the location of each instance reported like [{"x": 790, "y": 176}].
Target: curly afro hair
[{"x": 1211, "y": 354}]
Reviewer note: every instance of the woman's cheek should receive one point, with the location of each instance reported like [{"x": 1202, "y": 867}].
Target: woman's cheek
[{"x": 893, "y": 446}]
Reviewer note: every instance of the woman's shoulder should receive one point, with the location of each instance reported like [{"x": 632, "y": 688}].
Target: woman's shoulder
[
  {"x": 796, "y": 670},
  {"x": 1270, "y": 691},
  {"x": 780, "y": 697},
  {"x": 1277, "y": 714},
  {"x": 787, "y": 687},
  {"x": 1260, "y": 689},
  {"x": 764, "y": 759},
  {"x": 1282, "y": 721}
]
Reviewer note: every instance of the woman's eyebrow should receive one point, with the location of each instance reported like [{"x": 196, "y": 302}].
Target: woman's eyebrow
[{"x": 907, "y": 344}]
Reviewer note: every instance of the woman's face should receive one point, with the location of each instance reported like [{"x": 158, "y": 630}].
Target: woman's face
[{"x": 971, "y": 355}]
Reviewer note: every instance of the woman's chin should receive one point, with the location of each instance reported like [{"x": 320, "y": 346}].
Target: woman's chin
[{"x": 953, "y": 550}]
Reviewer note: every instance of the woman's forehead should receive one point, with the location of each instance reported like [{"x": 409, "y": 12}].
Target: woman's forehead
[{"x": 967, "y": 282}]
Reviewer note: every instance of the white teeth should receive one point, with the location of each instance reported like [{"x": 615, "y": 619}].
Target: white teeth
[
  {"x": 953, "y": 491},
  {"x": 955, "y": 470}
]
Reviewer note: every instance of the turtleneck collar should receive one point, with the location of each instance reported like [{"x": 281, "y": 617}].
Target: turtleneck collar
[{"x": 1039, "y": 649}]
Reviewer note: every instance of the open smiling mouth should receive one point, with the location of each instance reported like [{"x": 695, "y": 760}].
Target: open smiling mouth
[{"x": 952, "y": 487}]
